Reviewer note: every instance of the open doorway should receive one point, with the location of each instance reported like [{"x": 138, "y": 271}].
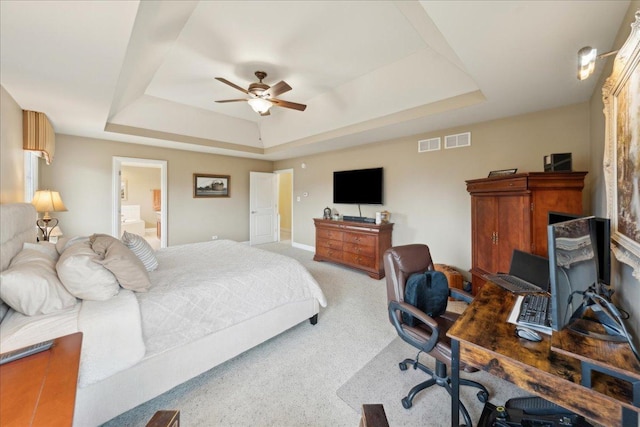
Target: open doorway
[
  {"x": 140, "y": 199},
  {"x": 285, "y": 205}
]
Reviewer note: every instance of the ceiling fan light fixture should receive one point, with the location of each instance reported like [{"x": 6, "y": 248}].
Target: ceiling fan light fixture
[{"x": 260, "y": 105}]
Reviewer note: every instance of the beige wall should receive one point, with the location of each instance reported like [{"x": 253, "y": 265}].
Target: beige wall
[
  {"x": 81, "y": 172},
  {"x": 426, "y": 192},
  {"x": 627, "y": 287},
  {"x": 11, "y": 153}
]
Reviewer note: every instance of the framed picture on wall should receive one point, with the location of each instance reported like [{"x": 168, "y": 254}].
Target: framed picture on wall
[
  {"x": 206, "y": 185},
  {"x": 621, "y": 97}
]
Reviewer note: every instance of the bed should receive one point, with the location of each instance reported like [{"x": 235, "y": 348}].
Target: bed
[{"x": 204, "y": 304}]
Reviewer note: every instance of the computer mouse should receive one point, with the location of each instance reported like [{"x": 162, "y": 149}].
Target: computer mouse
[{"x": 528, "y": 334}]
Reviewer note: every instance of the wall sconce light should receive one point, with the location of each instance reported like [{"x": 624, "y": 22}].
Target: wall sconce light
[
  {"x": 47, "y": 201},
  {"x": 587, "y": 60}
]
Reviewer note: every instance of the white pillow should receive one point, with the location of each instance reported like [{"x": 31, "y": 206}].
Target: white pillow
[
  {"x": 46, "y": 248},
  {"x": 31, "y": 286},
  {"x": 142, "y": 249},
  {"x": 66, "y": 242},
  {"x": 83, "y": 275}
]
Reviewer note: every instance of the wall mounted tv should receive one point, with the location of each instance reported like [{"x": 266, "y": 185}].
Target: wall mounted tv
[{"x": 362, "y": 186}]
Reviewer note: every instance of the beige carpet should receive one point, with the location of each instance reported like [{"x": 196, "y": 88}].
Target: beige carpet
[{"x": 381, "y": 381}]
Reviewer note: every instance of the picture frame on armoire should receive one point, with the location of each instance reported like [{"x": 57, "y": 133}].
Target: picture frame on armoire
[{"x": 621, "y": 97}]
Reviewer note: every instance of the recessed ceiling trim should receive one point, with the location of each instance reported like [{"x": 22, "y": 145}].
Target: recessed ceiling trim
[
  {"x": 455, "y": 102},
  {"x": 168, "y": 136}
]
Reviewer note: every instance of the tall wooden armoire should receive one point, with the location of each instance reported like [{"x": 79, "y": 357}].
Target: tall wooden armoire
[{"x": 511, "y": 212}]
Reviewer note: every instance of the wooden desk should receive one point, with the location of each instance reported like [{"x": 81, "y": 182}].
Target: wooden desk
[
  {"x": 482, "y": 337},
  {"x": 40, "y": 390}
]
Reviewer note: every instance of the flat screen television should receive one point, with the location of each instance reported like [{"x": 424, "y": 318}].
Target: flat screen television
[
  {"x": 358, "y": 187},
  {"x": 602, "y": 242}
]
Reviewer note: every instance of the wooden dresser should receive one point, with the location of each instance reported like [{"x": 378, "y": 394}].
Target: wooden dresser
[
  {"x": 511, "y": 212},
  {"x": 353, "y": 244}
]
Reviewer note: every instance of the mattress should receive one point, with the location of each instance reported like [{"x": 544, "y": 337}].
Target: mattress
[{"x": 225, "y": 283}]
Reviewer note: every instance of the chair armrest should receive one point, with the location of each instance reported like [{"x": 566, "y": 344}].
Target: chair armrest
[
  {"x": 460, "y": 295},
  {"x": 423, "y": 345}
]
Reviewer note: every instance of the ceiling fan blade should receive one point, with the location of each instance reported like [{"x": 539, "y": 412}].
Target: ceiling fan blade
[
  {"x": 278, "y": 88},
  {"x": 231, "y": 100},
  {"x": 287, "y": 104},
  {"x": 233, "y": 85}
]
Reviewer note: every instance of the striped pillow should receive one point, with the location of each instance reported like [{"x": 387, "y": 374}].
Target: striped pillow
[{"x": 142, "y": 249}]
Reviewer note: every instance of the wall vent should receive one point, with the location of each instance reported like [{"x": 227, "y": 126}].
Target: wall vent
[
  {"x": 458, "y": 140},
  {"x": 431, "y": 144}
]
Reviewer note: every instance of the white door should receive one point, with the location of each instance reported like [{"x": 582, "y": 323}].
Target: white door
[{"x": 263, "y": 208}]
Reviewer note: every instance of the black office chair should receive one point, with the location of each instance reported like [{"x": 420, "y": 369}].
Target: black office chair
[{"x": 429, "y": 335}]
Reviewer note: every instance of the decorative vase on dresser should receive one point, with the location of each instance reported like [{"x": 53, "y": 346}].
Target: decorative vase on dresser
[
  {"x": 353, "y": 244},
  {"x": 511, "y": 212}
]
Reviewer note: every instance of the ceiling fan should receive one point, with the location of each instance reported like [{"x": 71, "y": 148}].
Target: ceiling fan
[{"x": 263, "y": 96}]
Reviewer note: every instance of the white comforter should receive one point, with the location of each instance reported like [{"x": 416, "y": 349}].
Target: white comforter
[{"x": 205, "y": 287}]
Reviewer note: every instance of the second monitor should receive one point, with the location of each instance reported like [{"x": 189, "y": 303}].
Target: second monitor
[{"x": 573, "y": 267}]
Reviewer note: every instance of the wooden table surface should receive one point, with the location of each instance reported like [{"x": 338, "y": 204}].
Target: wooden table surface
[
  {"x": 40, "y": 390},
  {"x": 489, "y": 342}
]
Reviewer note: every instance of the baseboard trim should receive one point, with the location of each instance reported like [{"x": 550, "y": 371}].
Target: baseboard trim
[{"x": 304, "y": 247}]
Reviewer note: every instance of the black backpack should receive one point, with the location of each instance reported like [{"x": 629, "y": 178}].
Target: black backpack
[{"x": 428, "y": 292}]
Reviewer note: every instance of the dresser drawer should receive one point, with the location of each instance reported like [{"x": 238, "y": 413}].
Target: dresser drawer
[
  {"x": 335, "y": 254},
  {"x": 360, "y": 239},
  {"x": 331, "y": 244},
  {"x": 353, "y": 244},
  {"x": 326, "y": 233},
  {"x": 358, "y": 249},
  {"x": 359, "y": 260}
]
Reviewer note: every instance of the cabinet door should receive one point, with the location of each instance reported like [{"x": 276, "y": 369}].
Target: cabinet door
[
  {"x": 484, "y": 229},
  {"x": 513, "y": 229}
]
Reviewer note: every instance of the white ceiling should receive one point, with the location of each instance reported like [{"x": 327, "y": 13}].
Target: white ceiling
[{"x": 143, "y": 72}]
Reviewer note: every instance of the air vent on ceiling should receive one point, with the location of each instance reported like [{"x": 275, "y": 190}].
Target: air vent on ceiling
[
  {"x": 458, "y": 140},
  {"x": 431, "y": 144}
]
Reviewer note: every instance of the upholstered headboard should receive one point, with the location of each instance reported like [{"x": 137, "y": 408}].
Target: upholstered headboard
[{"x": 17, "y": 225}]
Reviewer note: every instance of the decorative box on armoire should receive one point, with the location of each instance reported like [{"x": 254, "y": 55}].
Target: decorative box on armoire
[{"x": 511, "y": 212}]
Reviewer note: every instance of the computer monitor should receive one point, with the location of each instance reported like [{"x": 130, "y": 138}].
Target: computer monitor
[
  {"x": 573, "y": 267},
  {"x": 602, "y": 242}
]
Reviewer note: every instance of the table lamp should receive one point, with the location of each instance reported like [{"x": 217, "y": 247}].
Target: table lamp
[{"x": 47, "y": 201}]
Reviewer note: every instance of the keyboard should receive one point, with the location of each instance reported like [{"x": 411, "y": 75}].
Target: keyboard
[
  {"x": 535, "y": 310},
  {"x": 513, "y": 283}
]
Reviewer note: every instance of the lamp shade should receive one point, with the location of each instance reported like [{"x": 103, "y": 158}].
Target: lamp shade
[
  {"x": 260, "y": 105},
  {"x": 48, "y": 201}
]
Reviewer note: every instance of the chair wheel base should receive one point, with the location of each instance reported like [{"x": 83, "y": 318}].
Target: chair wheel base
[
  {"x": 406, "y": 403},
  {"x": 483, "y": 396}
]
